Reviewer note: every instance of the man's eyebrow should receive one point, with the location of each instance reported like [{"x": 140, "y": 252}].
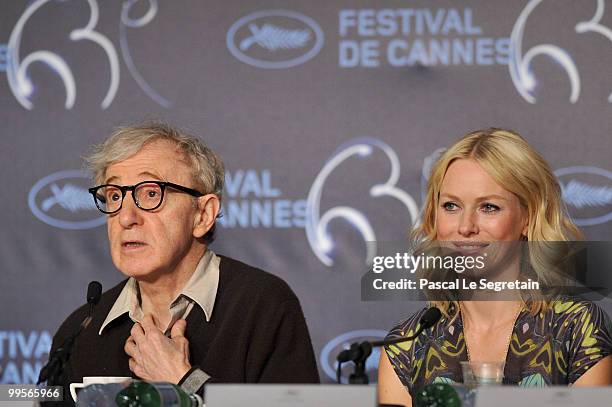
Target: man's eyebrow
[
  {"x": 115, "y": 178},
  {"x": 111, "y": 179},
  {"x": 150, "y": 174}
]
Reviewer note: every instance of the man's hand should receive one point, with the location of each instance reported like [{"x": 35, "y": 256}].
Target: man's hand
[{"x": 155, "y": 357}]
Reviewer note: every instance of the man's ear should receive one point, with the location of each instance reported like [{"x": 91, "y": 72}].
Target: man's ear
[{"x": 206, "y": 214}]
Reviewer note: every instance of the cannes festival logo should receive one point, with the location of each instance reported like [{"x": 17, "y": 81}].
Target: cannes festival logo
[
  {"x": 62, "y": 200},
  {"x": 520, "y": 68},
  {"x": 587, "y": 192},
  {"x": 17, "y": 63},
  {"x": 275, "y": 39},
  {"x": 318, "y": 220},
  {"x": 330, "y": 351}
]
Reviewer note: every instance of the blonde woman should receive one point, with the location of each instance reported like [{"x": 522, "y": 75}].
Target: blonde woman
[{"x": 492, "y": 186}]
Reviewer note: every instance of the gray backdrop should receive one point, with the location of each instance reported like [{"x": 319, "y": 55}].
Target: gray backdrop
[{"x": 311, "y": 104}]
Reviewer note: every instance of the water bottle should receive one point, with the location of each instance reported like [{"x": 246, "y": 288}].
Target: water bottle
[
  {"x": 99, "y": 395},
  {"x": 445, "y": 395},
  {"x": 156, "y": 394}
]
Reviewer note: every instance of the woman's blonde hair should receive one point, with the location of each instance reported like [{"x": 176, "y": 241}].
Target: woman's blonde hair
[{"x": 515, "y": 165}]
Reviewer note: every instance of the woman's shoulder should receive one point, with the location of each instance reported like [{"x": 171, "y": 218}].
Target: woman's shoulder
[
  {"x": 585, "y": 331},
  {"x": 570, "y": 317},
  {"x": 578, "y": 310},
  {"x": 583, "y": 324}
]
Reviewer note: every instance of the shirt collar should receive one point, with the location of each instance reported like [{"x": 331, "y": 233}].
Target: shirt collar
[{"x": 201, "y": 288}]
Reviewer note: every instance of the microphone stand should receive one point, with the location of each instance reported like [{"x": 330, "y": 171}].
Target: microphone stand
[
  {"x": 358, "y": 353},
  {"x": 53, "y": 373}
]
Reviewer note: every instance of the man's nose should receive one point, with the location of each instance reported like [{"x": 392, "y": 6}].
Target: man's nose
[
  {"x": 468, "y": 224},
  {"x": 130, "y": 214}
]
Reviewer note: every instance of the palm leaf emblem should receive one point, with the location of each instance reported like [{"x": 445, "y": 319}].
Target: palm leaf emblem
[
  {"x": 274, "y": 38},
  {"x": 70, "y": 197},
  {"x": 579, "y": 194}
]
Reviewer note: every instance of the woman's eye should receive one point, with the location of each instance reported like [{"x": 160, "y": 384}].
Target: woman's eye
[
  {"x": 490, "y": 207},
  {"x": 450, "y": 206}
]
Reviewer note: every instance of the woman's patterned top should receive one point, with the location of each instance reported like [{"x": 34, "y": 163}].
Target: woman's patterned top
[{"x": 553, "y": 348}]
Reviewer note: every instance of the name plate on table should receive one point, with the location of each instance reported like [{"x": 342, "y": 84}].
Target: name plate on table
[
  {"x": 510, "y": 396},
  {"x": 284, "y": 395}
]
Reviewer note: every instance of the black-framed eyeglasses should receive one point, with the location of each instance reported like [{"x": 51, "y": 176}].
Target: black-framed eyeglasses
[{"x": 147, "y": 195}]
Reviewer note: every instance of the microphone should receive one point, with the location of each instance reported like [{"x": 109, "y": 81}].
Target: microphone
[
  {"x": 94, "y": 293},
  {"x": 429, "y": 319},
  {"x": 54, "y": 370},
  {"x": 358, "y": 353}
]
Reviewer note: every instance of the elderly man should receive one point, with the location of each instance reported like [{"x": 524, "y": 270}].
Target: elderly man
[{"x": 184, "y": 314}]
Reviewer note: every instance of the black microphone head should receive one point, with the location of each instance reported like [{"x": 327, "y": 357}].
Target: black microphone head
[
  {"x": 94, "y": 292},
  {"x": 430, "y": 317}
]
